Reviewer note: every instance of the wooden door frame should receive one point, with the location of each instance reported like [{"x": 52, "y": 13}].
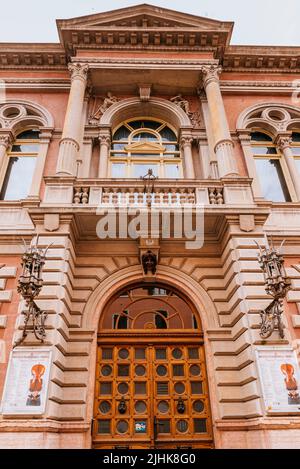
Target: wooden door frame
[{"x": 155, "y": 337}]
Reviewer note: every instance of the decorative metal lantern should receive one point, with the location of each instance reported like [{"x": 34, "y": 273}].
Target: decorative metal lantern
[
  {"x": 277, "y": 285},
  {"x": 29, "y": 286},
  {"x": 149, "y": 182}
]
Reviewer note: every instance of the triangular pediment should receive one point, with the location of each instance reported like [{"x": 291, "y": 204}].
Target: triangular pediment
[
  {"x": 145, "y": 147},
  {"x": 143, "y": 16}
]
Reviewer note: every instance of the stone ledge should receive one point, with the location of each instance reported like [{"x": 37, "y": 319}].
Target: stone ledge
[
  {"x": 296, "y": 320},
  {"x": 8, "y": 272},
  {"x": 3, "y": 322},
  {"x": 5, "y": 296}
]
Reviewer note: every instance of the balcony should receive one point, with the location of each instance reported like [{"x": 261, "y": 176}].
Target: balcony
[{"x": 92, "y": 193}]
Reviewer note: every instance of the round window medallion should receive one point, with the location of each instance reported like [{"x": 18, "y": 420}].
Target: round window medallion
[
  {"x": 177, "y": 353},
  {"x": 140, "y": 370},
  {"x": 163, "y": 407},
  {"x": 161, "y": 370},
  {"x": 123, "y": 388},
  {"x": 140, "y": 407},
  {"x": 198, "y": 406},
  {"x": 106, "y": 370},
  {"x": 11, "y": 112},
  {"x": 104, "y": 407},
  {"x": 122, "y": 426},
  {"x": 123, "y": 353},
  {"x": 195, "y": 370},
  {"x": 179, "y": 388},
  {"x": 182, "y": 426}
]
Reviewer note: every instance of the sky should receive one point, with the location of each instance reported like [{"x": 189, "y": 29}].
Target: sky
[{"x": 264, "y": 22}]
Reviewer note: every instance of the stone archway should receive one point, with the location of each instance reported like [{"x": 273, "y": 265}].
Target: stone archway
[
  {"x": 156, "y": 107},
  {"x": 202, "y": 304}
]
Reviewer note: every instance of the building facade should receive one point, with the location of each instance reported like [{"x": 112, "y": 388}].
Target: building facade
[{"x": 149, "y": 342}]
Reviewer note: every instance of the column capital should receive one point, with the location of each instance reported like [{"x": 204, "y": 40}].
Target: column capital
[
  {"x": 210, "y": 74},
  {"x": 186, "y": 140},
  {"x": 283, "y": 141},
  {"x": 78, "y": 71},
  {"x": 6, "y": 138},
  {"x": 104, "y": 137}
]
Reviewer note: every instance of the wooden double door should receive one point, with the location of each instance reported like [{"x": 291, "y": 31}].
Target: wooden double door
[{"x": 151, "y": 395}]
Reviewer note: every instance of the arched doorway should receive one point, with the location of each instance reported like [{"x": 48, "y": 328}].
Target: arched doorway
[{"x": 151, "y": 386}]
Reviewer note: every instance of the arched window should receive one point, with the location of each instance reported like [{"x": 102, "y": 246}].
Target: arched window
[
  {"x": 139, "y": 145},
  {"x": 269, "y": 168},
  {"x": 296, "y": 149},
  {"x": 149, "y": 307},
  {"x": 21, "y": 164}
]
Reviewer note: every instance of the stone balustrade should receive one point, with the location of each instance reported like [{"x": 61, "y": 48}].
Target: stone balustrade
[{"x": 132, "y": 192}]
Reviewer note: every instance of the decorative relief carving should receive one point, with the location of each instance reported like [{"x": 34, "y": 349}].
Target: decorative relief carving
[
  {"x": 6, "y": 140},
  {"x": 182, "y": 103},
  {"x": 195, "y": 117},
  {"x": 284, "y": 142},
  {"x": 149, "y": 262},
  {"x": 107, "y": 101}
]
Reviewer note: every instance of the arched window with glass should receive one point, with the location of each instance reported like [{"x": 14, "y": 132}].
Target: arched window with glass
[
  {"x": 269, "y": 167},
  {"x": 296, "y": 149},
  {"x": 21, "y": 165},
  {"x": 142, "y": 144}
]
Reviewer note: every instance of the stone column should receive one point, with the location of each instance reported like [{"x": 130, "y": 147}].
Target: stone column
[
  {"x": 105, "y": 141},
  {"x": 6, "y": 139},
  {"x": 44, "y": 140},
  {"x": 284, "y": 143},
  {"x": 222, "y": 139},
  {"x": 69, "y": 144},
  {"x": 186, "y": 145}
]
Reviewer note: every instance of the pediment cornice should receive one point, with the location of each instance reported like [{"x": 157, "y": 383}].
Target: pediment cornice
[{"x": 143, "y": 26}]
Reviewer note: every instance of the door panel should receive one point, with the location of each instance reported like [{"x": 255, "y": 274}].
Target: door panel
[{"x": 151, "y": 396}]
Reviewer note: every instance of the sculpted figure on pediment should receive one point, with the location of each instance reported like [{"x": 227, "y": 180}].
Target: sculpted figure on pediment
[
  {"x": 107, "y": 101},
  {"x": 181, "y": 102}
]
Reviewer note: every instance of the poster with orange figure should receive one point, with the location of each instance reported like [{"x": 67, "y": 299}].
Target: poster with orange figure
[
  {"x": 280, "y": 379},
  {"x": 27, "y": 379}
]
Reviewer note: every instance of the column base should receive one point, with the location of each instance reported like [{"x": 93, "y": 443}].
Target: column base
[
  {"x": 226, "y": 160},
  {"x": 67, "y": 155}
]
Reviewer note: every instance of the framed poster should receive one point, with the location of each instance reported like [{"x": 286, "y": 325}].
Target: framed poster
[
  {"x": 27, "y": 379},
  {"x": 280, "y": 379}
]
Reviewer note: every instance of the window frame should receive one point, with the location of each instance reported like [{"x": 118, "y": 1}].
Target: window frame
[
  {"x": 276, "y": 156},
  {"x": 151, "y": 156},
  {"x": 13, "y": 154}
]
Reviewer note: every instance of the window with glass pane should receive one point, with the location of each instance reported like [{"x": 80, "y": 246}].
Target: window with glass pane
[
  {"x": 272, "y": 180},
  {"x": 269, "y": 170},
  {"x": 296, "y": 145},
  {"x": 21, "y": 165},
  {"x": 140, "y": 170},
  {"x": 142, "y": 144},
  {"x": 118, "y": 170}
]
